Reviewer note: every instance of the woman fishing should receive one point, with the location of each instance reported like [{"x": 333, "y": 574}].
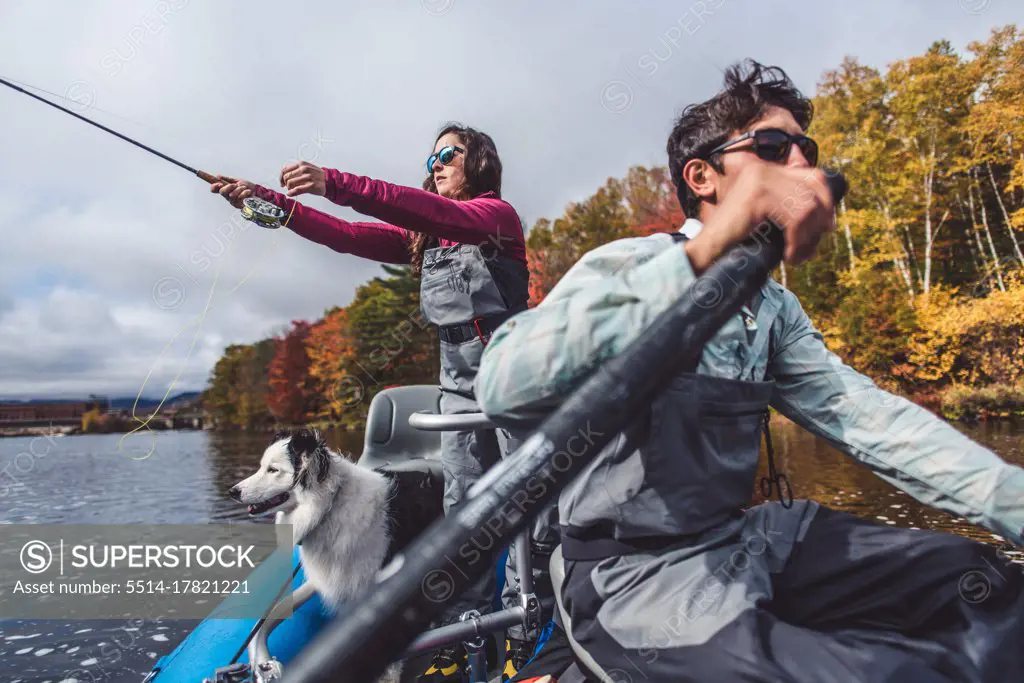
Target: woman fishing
[{"x": 467, "y": 246}]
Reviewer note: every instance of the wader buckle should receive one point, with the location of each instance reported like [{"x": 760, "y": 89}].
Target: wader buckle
[{"x": 480, "y": 333}]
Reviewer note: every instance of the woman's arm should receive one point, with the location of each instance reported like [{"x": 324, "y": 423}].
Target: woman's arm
[
  {"x": 484, "y": 220},
  {"x": 375, "y": 241}
]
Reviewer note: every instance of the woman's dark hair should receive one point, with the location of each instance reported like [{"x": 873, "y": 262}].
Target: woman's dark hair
[
  {"x": 482, "y": 168},
  {"x": 749, "y": 88}
]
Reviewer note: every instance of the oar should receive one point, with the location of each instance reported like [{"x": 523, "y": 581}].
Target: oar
[{"x": 437, "y": 568}]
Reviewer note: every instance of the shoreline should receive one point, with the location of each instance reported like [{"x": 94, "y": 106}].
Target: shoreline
[
  {"x": 14, "y": 432},
  {"x": 955, "y": 404},
  {"x": 56, "y": 432}
]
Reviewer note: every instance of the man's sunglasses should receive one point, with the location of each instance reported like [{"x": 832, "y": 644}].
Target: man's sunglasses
[
  {"x": 445, "y": 156},
  {"x": 772, "y": 144}
]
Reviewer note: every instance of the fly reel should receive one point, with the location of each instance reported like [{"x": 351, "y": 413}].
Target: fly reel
[{"x": 262, "y": 213}]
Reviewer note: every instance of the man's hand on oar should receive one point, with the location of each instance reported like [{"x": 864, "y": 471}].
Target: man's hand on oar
[
  {"x": 232, "y": 189},
  {"x": 303, "y": 177}
]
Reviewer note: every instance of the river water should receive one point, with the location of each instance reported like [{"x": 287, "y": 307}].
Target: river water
[{"x": 182, "y": 477}]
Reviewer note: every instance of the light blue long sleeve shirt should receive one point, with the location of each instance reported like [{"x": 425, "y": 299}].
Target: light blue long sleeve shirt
[{"x": 536, "y": 359}]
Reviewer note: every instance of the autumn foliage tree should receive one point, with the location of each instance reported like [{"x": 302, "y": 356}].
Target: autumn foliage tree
[
  {"x": 331, "y": 349},
  {"x": 291, "y": 396},
  {"x": 643, "y": 203},
  {"x": 237, "y": 393},
  {"x": 392, "y": 341}
]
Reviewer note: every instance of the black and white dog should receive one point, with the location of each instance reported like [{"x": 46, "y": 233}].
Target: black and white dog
[{"x": 349, "y": 520}]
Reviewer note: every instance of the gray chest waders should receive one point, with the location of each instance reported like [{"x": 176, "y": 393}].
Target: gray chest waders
[
  {"x": 460, "y": 295},
  {"x": 775, "y": 481},
  {"x": 687, "y": 465},
  {"x": 663, "y": 574}
]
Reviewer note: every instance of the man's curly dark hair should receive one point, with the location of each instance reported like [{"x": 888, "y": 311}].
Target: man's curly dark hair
[{"x": 749, "y": 88}]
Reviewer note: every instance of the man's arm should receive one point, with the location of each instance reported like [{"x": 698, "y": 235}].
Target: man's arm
[
  {"x": 596, "y": 310},
  {"x": 903, "y": 443}
]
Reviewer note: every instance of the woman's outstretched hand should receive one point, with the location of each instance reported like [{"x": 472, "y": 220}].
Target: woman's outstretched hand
[
  {"x": 303, "y": 177},
  {"x": 232, "y": 189}
]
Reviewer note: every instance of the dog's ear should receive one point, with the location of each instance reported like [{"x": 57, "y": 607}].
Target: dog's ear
[
  {"x": 281, "y": 434},
  {"x": 314, "y": 467},
  {"x": 314, "y": 458},
  {"x": 307, "y": 440}
]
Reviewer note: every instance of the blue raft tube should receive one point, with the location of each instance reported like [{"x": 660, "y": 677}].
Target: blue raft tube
[{"x": 216, "y": 643}]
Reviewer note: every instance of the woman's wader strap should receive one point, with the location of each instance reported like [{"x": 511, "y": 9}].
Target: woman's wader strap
[{"x": 481, "y": 328}]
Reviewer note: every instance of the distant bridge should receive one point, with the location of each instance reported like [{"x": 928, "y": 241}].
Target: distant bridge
[
  {"x": 55, "y": 422},
  {"x": 183, "y": 419}
]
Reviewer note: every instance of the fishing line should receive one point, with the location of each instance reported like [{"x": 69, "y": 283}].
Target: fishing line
[
  {"x": 145, "y": 423},
  {"x": 254, "y": 209},
  {"x": 200, "y": 319},
  {"x": 91, "y": 106},
  {"x": 268, "y": 251},
  {"x": 259, "y": 211}
]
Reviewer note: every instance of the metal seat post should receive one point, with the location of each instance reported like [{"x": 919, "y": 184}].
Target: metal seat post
[{"x": 528, "y": 612}]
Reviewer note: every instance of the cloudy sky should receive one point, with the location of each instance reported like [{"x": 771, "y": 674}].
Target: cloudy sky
[{"x": 119, "y": 272}]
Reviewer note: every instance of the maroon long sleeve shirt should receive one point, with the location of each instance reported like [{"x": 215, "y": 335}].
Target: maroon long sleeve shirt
[{"x": 485, "y": 220}]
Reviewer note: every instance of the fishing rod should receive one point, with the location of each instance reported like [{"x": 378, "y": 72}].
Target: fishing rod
[
  {"x": 259, "y": 211},
  {"x": 435, "y": 570}
]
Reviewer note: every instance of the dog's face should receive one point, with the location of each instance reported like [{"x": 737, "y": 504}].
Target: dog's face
[{"x": 291, "y": 464}]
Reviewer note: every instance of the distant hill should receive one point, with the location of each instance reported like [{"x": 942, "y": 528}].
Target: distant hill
[
  {"x": 126, "y": 402},
  {"x": 120, "y": 402}
]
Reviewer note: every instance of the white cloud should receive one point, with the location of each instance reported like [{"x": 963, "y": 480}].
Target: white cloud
[{"x": 104, "y": 251}]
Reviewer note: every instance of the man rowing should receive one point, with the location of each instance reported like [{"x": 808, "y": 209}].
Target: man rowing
[{"x": 668, "y": 574}]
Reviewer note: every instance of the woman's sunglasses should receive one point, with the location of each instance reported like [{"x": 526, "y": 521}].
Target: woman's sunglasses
[
  {"x": 772, "y": 144},
  {"x": 445, "y": 156}
]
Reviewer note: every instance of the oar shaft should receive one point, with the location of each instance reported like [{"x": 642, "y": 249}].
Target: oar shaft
[{"x": 202, "y": 174}]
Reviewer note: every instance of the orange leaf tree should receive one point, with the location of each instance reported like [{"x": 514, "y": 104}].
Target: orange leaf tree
[
  {"x": 291, "y": 396},
  {"x": 332, "y": 350}
]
